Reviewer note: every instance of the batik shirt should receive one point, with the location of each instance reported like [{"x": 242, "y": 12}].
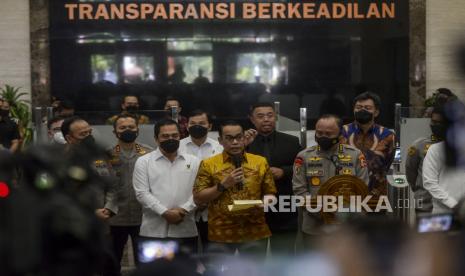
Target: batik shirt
[{"x": 378, "y": 146}]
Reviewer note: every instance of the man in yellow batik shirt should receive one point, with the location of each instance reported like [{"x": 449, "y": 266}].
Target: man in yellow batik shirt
[{"x": 235, "y": 175}]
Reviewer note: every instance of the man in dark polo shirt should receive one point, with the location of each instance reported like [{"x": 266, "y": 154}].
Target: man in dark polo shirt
[
  {"x": 280, "y": 150},
  {"x": 9, "y": 133}
]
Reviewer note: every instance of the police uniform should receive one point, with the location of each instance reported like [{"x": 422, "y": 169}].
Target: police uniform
[
  {"x": 127, "y": 222},
  {"x": 122, "y": 163},
  {"x": 106, "y": 195},
  {"x": 414, "y": 171},
  {"x": 313, "y": 167}
]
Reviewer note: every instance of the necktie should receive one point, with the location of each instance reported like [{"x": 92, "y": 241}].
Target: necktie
[{"x": 266, "y": 149}]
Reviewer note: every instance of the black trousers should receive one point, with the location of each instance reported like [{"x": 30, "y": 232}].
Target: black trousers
[
  {"x": 252, "y": 249},
  {"x": 202, "y": 228},
  {"x": 283, "y": 243},
  {"x": 119, "y": 236}
]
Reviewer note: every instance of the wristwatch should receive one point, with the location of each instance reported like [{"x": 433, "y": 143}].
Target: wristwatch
[{"x": 220, "y": 188}]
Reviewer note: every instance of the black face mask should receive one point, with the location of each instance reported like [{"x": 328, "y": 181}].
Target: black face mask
[
  {"x": 439, "y": 131},
  {"x": 132, "y": 109},
  {"x": 128, "y": 136},
  {"x": 170, "y": 146},
  {"x": 326, "y": 143},
  {"x": 198, "y": 131},
  {"x": 4, "y": 113},
  {"x": 363, "y": 116},
  {"x": 88, "y": 142}
]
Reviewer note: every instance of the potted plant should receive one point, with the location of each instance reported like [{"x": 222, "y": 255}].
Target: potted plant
[{"x": 20, "y": 111}]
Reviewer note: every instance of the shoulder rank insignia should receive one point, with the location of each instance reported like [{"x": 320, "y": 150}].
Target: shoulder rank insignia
[
  {"x": 412, "y": 151},
  {"x": 427, "y": 147}
]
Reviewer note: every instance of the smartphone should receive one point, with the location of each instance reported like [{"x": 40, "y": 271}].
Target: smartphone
[
  {"x": 397, "y": 156},
  {"x": 435, "y": 223},
  {"x": 149, "y": 251}
]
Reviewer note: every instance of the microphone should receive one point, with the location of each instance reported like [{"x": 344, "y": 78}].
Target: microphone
[{"x": 237, "y": 161}]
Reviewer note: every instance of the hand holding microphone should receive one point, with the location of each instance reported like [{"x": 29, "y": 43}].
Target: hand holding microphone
[{"x": 237, "y": 161}]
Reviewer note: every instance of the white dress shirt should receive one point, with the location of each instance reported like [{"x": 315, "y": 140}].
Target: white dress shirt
[
  {"x": 159, "y": 185},
  {"x": 209, "y": 148},
  {"x": 206, "y": 150},
  {"x": 446, "y": 185}
]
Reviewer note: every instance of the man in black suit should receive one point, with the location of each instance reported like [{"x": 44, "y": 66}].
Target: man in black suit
[{"x": 280, "y": 150}]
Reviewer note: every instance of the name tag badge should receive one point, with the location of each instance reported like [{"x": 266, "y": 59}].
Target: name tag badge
[{"x": 315, "y": 173}]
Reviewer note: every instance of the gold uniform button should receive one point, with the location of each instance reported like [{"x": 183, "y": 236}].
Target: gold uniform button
[{"x": 315, "y": 181}]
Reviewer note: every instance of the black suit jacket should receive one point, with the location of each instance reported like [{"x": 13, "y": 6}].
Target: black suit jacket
[{"x": 283, "y": 148}]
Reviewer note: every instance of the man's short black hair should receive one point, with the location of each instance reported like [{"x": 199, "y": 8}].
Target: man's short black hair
[
  {"x": 124, "y": 115},
  {"x": 368, "y": 96},
  {"x": 260, "y": 104},
  {"x": 438, "y": 109},
  {"x": 53, "y": 120},
  {"x": 65, "y": 104},
  {"x": 164, "y": 122},
  {"x": 173, "y": 98},
  {"x": 129, "y": 95},
  {"x": 200, "y": 112},
  {"x": 228, "y": 123},
  {"x": 332, "y": 116},
  {"x": 66, "y": 126}
]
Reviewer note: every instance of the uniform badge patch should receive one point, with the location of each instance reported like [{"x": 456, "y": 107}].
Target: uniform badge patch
[
  {"x": 363, "y": 161},
  {"x": 346, "y": 171},
  {"x": 412, "y": 151},
  {"x": 298, "y": 163}
]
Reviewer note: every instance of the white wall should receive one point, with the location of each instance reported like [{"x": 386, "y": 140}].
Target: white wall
[
  {"x": 445, "y": 29},
  {"x": 15, "y": 66}
]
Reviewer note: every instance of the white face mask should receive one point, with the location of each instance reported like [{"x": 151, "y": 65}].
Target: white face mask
[{"x": 59, "y": 138}]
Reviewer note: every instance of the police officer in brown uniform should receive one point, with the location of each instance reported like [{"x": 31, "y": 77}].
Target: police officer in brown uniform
[
  {"x": 123, "y": 158},
  {"x": 315, "y": 165},
  {"x": 414, "y": 161}
]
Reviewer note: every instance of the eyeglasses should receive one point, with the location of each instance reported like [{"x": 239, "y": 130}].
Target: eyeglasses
[{"x": 230, "y": 139}]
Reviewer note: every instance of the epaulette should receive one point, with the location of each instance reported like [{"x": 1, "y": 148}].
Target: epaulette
[
  {"x": 140, "y": 149},
  {"x": 349, "y": 147},
  {"x": 99, "y": 163},
  {"x": 312, "y": 148}
]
